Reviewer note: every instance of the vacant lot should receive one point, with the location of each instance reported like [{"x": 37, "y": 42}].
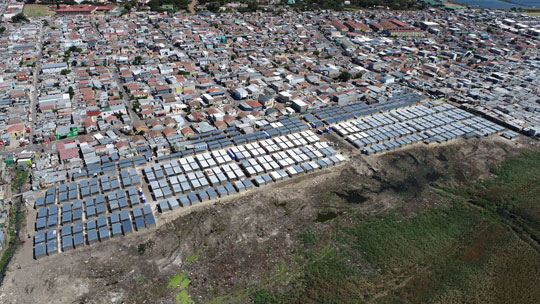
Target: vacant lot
[
  {"x": 416, "y": 225},
  {"x": 37, "y": 10}
]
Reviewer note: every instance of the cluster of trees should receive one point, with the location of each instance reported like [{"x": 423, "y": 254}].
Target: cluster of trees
[
  {"x": 156, "y": 5},
  {"x": 129, "y": 5},
  {"x": 346, "y": 76},
  {"x": 20, "y": 17}
]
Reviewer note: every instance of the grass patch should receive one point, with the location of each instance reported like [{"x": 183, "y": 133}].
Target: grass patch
[
  {"x": 308, "y": 236},
  {"x": 511, "y": 197},
  {"x": 14, "y": 226},
  {"x": 19, "y": 180},
  {"x": 390, "y": 241},
  {"x": 458, "y": 254},
  {"x": 391, "y": 244},
  {"x": 37, "y": 10}
]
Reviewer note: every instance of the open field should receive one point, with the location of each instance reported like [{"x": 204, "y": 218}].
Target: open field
[
  {"x": 37, "y": 10},
  {"x": 417, "y": 225}
]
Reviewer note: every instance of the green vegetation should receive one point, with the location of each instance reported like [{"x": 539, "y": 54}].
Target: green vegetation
[
  {"x": 71, "y": 92},
  {"x": 514, "y": 194},
  {"x": 37, "y": 10},
  {"x": 19, "y": 180},
  {"x": 2, "y": 29},
  {"x": 65, "y": 72},
  {"x": 15, "y": 221},
  {"x": 143, "y": 247},
  {"x": 157, "y": 5},
  {"x": 482, "y": 248},
  {"x": 72, "y": 49},
  {"x": 344, "y": 76},
  {"x": 20, "y": 17}
]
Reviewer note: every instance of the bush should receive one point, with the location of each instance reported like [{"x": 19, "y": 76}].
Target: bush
[{"x": 20, "y": 17}]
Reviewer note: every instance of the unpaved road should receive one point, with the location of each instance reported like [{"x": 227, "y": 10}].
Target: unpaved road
[{"x": 191, "y": 6}]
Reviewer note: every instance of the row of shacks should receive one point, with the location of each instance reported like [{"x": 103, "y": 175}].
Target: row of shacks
[
  {"x": 428, "y": 122},
  {"x": 90, "y": 219},
  {"x": 211, "y": 167},
  {"x": 205, "y": 142},
  {"x": 218, "y": 167},
  {"x": 93, "y": 230},
  {"x": 335, "y": 114},
  {"x": 263, "y": 162},
  {"x": 89, "y": 207},
  {"x": 238, "y": 186},
  {"x": 230, "y": 137},
  {"x": 88, "y": 187}
]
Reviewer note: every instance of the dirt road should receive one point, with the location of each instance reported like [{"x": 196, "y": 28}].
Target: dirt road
[{"x": 191, "y": 6}]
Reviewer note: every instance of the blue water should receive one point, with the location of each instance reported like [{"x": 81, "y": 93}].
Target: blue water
[{"x": 501, "y": 4}]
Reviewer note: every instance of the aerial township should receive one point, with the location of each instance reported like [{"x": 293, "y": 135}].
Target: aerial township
[{"x": 121, "y": 117}]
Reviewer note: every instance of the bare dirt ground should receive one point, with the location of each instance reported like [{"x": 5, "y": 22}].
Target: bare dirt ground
[
  {"x": 191, "y": 6},
  {"x": 226, "y": 247}
]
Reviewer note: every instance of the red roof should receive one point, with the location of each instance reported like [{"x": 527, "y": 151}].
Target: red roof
[
  {"x": 68, "y": 153},
  {"x": 400, "y": 24},
  {"x": 254, "y": 104},
  {"x": 93, "y": 113},
  {"x": 15, "y": 128},
  {"x": 84, "y": 8}
]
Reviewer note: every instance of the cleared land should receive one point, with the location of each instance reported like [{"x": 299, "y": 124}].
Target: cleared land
[
  {"x": 446, "y": 223},
  {"x": 37, "y": 10}
]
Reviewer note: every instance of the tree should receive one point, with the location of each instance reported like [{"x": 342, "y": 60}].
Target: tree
[
  {"x": 138, "y": 60},
  {"x": 71, "y": 92},
  {"x": 117, "y": 115},
  {"x": 20, "y": 17},
  {"x": 2, "y": 29},
  {"x": 316, "y": 53},
  {"x": 65, "y": 72},
  {"x": 213, "y": 7},
  {"x": 344, "y": 76},
  {"x": 74, "y": 49}
]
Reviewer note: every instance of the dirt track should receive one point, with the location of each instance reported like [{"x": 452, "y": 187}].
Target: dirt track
[
  {"x": 191, "y": 6},
  {"x": 239, "y": 241}
]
